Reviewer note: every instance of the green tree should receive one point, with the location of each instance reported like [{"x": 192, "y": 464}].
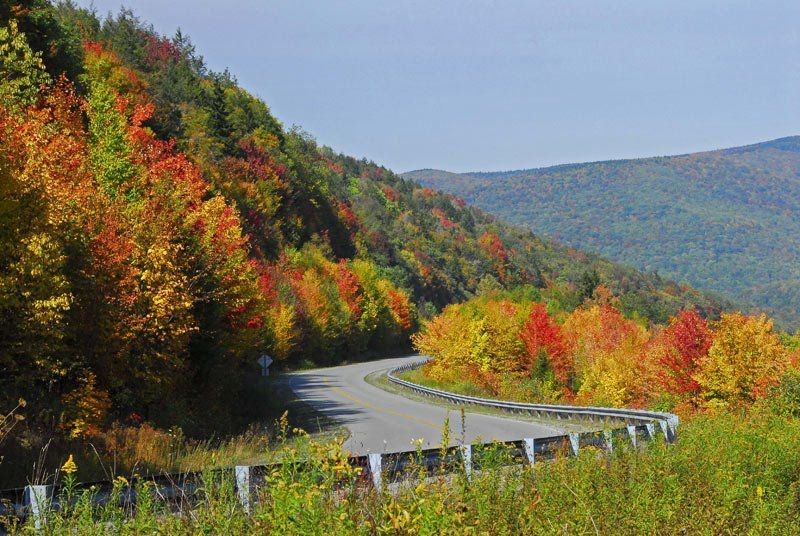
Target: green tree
[{"x": 22, "y": 70}]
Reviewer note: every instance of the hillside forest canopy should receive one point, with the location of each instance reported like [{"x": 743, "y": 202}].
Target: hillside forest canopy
[{"x": 723, "y": 221}]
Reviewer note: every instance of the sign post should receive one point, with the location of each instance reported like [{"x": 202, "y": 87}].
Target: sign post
[{"x": 265, "y": 361}]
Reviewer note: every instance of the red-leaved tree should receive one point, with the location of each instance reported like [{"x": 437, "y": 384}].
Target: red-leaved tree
[
  {"x": 688, "y": 339},
  {"x": 543, "y": 336}
]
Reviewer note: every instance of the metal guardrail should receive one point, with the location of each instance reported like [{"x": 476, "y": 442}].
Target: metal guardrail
[
  {"x": 377, "y": 469},
  {"x": 668, "y": 421}
]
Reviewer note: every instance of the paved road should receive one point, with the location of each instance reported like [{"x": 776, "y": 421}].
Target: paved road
[{"x": 380, "y": 421}]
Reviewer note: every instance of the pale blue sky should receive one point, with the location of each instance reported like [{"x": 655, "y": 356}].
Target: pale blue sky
[{"x": 496, "y": 85}]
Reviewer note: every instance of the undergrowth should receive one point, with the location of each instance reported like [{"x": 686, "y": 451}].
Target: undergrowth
[{"x": 727, "y": 474}]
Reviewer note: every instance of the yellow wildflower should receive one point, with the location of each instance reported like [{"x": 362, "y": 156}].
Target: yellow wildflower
[{"x": 69, "y": 466}]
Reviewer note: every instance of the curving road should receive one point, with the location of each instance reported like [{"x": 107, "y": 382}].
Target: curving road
[{"x": 380, "y": 421}]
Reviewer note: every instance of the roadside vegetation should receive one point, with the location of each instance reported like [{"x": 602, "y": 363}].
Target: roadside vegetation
[
  {"x": 529, "y": 347},
  {"x": 139, "y": 448},
  {"x": 730, "y": 473}
]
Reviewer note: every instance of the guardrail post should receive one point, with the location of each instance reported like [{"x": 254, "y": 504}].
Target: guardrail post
[
  {"x": 575, "y": 442},
  {"x": 36, "y": 502},
  {"x": 242, "y": 473},
  {"x": 664, "y": 429},
  {"x": 609, "y": 440},
  {"x": 530, "y": 451},
  {"x": 466, "y": 456},
  {"x": 651, "y": 430},
  {"x": 632, "y": 433},
  {"x": 673, "y": 421},
  {"x": 376, "y": 469}
]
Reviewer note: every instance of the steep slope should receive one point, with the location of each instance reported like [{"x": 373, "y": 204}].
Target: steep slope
[{"x": 724, "y": 220}]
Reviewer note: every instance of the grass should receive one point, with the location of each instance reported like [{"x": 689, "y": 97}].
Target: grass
[
  {"x": 148, "y": 450},
  {"x": 418, "y": 376},
  {"x": 728, "y": 474},
  {"x": 512, "y": 389},
  {"x": 380, "y": 379}
]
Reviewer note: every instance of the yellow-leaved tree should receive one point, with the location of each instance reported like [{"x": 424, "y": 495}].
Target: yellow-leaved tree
[
  {"x": 745, "y": 359},
  {"x": 449, "y": 339},
  {"x": 503, "y": 347},
  {"x": 609, "y": 355}
]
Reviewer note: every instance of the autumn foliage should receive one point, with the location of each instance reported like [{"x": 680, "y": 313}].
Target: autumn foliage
[
  {"x": 744, "y": 360},
  {"x": 687, "y": 340},
  {"x": 160, "y": 229},
  {"x": 543, "y": 338},
  {"x": 595, "y": 355},
  {"x": 130, "y": 279}
]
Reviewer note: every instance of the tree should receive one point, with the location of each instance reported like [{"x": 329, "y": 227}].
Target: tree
[
  {"x": 687, "y": 341},
  {"x": 609, "y": 353},
  {"x": 542, "y": 338},
  {"x": 493, "y": 247},
  {"x": 52, "y": 39},
  {"x": 589, "y": 281},
  {"x": 400, "y": 308},
  {"x": 449, "y": 338},
  {"x": 216, "y": 104},
  {"x": 22, "y": 71},
  {"x": 111, "y": 149},
  {"x": 744, "y": 361}
]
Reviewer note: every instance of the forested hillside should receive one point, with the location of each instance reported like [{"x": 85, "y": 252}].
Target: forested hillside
[
  {"x": 160, "y": 229},
  {"x": 726, "y": 221}
]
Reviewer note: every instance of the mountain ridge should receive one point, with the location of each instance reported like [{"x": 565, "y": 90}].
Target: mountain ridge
[
  {"x": 721, "y": 220},
  {"x": 791, "y": 139}
]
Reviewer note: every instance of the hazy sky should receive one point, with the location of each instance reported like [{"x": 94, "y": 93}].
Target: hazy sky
[{"x": 484, "y": 85}]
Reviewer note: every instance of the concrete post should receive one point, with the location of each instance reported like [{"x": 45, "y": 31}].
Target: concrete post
[
  {"x": 376, "y": 469},
  {"x": 632, "y": 433},
  {"x": 36, "y": 502},
  {"x": 575, "y": 442},
  {"x": 466, "y": 456},
  {"x": 242, "y": 473},
  {"x": 609, "y": 440},
  {"x": 530, "y": 452}
]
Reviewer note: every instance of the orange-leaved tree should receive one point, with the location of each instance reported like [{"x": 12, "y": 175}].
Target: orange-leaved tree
[{"x": 609, "y": 354}]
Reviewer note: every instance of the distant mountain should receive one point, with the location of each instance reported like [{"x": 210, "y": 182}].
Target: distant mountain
[{"x": 725, "y": 220}]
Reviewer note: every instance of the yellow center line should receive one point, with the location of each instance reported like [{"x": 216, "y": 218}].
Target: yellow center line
[{"x": 379, "y": 409}]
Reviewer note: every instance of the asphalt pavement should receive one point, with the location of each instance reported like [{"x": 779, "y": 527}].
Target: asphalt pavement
[{"x": 380, "y": 421}]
